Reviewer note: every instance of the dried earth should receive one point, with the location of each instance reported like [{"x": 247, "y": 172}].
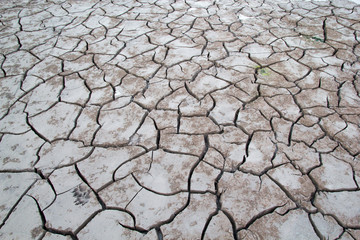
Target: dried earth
[{"x": 179, "y": 119}]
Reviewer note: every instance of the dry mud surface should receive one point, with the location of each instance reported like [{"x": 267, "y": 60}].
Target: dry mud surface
[{"x": 179, "y": 119}]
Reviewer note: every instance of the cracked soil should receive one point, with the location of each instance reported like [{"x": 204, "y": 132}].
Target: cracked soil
[{"x": 179, "y": 119}]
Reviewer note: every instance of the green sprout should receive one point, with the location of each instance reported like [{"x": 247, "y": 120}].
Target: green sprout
[
  {"x": 317, "y": 39},
  {"x": 263, "y": 71}
]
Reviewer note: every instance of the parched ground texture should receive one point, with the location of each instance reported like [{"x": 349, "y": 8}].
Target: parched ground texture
[{"x": 179, "y": 119}]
